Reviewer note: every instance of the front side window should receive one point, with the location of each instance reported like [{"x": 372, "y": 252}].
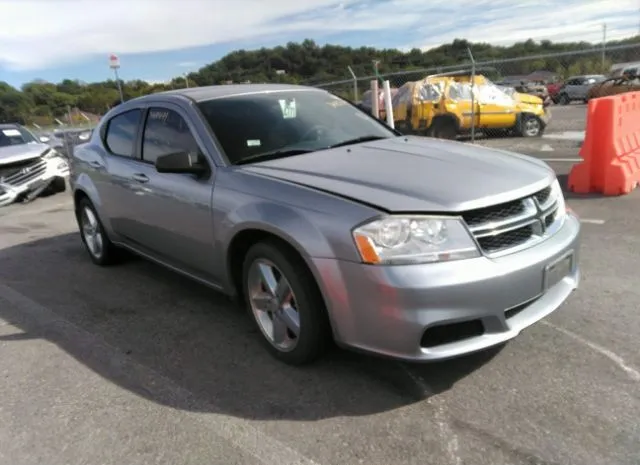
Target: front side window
[
  {"x": 289, "y": 122},
  {"x": 121, "y": 133},
  {"x": 166, "y": 132}
]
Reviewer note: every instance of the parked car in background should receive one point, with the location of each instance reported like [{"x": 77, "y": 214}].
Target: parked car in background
[
  {"x": 325, "y": 223},
  {"x": 28, "y": 166},
  {"x": 63, "y": 140},
  {"x": 442, "y": 106},
  {"x": 577, "y": 88},
  {"x": 625, "y": 69},
  {"x": 535, "y": 88},
  {"x": 614, "y": 86}
]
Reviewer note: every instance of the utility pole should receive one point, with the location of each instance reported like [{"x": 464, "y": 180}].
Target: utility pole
[
  {"x": 186, "y": 79},
  {"x": 604, "y": 47}
]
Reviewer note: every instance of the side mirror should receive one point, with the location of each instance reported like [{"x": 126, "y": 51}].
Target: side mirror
[
  {"x": 180, "y": 162},
  {"x": 44, "y": 139}
]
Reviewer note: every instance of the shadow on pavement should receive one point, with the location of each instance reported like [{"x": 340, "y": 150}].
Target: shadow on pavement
[{"x": 160, "y": 336}]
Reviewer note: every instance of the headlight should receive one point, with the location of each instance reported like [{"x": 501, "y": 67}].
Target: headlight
[
  {"x": 402, "y": 240},
  {"x": 50, "y": 153},
  {"x": 556, "y": 192}
]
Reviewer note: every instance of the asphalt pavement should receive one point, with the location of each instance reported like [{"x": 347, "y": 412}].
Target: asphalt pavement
[{"x": 136, "y": 365}]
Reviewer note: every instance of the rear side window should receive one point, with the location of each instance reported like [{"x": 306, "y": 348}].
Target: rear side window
[{"x": 121, "y": 133}]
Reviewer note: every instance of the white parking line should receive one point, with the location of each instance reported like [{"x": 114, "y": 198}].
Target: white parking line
[
  {"x": 592, "y": 221},
  {"x": 615, "y": 358},
  {"x": 238, "y": 432}
]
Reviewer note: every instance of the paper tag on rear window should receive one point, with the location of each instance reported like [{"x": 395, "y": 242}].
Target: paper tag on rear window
[
  {"x": 253, "y": 143},
  {"x": 288, "y": 107},
  {"x": 11, "y": 132}
]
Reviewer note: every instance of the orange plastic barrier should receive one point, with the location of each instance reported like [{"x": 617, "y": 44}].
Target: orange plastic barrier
[{"x": 611, "y": 148}]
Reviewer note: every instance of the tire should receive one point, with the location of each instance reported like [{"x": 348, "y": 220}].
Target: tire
[
  {"x": 530, "y": 126},
  {"x": 58, "y": 185},
  {"x": 266, "y": 264},
  {"x": 443, "y": 129},
  {"x": 88, "y": 220},
  {"x": 564, "y": 99}
]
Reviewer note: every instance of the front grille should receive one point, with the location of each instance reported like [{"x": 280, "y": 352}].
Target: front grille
[
  {"x": 494, "y": 213},
  {"x": 501, "y": 228},
  {"x": 506, "y": 240},
  {"x": 20, "y": 173}
]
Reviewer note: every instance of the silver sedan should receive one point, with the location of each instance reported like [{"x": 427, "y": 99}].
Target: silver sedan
[{"x": 327, "y": 224}]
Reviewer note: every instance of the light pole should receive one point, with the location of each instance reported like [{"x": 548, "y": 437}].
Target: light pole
[
  {"x": 186, "y": 79},
  {"x": 114, "y": 64}
]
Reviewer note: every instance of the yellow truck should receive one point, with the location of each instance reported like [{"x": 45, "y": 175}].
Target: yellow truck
[{"x": 445, "y": 106}]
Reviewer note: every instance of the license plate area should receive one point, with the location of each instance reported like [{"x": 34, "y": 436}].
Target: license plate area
[{"x": 556, "y": 271}]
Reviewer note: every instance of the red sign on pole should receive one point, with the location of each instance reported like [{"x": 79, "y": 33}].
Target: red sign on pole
[{"x": 114, "y": 61}]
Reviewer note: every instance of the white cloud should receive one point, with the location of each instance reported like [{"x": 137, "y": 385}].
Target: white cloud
[{"x": 41, "y": 33}]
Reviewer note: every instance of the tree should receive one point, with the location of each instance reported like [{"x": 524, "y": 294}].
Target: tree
[{"x": 312, "y": 64}]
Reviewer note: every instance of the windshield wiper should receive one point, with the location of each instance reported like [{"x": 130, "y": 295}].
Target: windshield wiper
[
  {"x": 273, "y": 155},
  {"x": 357, "y": 140}
]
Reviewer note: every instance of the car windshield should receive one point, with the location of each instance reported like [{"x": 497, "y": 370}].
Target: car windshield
[
  {"x": 15, "y": 135},
  {"x": 286, "y": 123}
]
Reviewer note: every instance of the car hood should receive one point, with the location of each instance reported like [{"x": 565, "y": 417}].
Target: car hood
[
  {"x": 414, "y": 174},
  {"x": 22, "y": 152},
  {"x": 528, "y": 98}
]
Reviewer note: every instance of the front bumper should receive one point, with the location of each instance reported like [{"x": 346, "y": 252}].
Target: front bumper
[
  {"x": 32, "y": 177},
  {"x": 403, "y": 311}
]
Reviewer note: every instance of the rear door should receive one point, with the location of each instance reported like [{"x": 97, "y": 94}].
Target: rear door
[
  {"x": 427, "y": 99},
  {"x": 461, "y": 102},
  {"x": 117, "y": 186}
]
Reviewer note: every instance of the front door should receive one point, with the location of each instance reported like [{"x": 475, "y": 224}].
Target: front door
[
  {"x": 175, "y": 209},
  {"x": 497, "y": 109}
]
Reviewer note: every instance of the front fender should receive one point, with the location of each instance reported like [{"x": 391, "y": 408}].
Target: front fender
[{"x": 286, "y": 222}]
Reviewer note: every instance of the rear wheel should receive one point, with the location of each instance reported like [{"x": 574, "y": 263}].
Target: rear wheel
[
  {"x": 101, "y": 250},
  {"x": 564, "y": 99},
  {"x": 443, "y": 128},
  {"x": 285, "y": 303}
]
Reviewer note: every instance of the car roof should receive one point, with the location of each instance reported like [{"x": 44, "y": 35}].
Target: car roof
[{"x": 200, "y": 94}]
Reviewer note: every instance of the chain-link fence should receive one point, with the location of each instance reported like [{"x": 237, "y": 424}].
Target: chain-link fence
[
  {"x": 74, "y": 128},
  {"x": 499, "y": 101}
]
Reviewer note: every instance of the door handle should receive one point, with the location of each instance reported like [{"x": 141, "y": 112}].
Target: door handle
[
  {"x": 139, "y": 177},
  {"x": 95, "y": 164}
]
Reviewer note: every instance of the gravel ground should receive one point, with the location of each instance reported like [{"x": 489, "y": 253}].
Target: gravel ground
[{"x": 135, "y": 365}]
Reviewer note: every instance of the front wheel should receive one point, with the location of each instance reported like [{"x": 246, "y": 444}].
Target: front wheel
[
  {"x": 285, "y": 303},
  {"x": 564, "y": 99},
  {"x": 531, "y": 126}
]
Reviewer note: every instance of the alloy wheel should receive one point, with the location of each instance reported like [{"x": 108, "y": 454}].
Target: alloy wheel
[
  {"x": 92, "y": 232},
  {"x": 273, "y": 304}
]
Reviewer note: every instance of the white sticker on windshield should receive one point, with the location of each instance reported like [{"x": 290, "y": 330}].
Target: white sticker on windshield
[
  {"x": 288, "y": 107},
  {"x": 11, "y": 132},
  {"x": 254, "y": 143}
]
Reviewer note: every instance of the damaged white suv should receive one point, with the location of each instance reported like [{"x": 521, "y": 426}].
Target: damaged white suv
[{"x": 28, "y": 167}]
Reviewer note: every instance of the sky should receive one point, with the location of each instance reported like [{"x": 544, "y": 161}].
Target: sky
[{"x": 157, "y": 40}]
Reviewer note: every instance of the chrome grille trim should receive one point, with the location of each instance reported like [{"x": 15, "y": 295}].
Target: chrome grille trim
[
  {"x": 513, "y": 226},
  {"x": 24, "y": 174}
]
